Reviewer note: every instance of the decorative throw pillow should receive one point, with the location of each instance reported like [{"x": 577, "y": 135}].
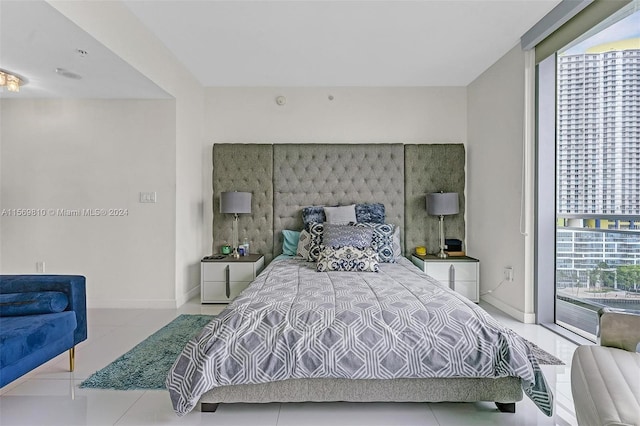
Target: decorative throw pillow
[
  {"x": 382, "y": 240},
  {"x": 348, "y": 259},
  {"x": 370, "y": 213},
  {"x": 346, "y": 235},
  {"x": 316, "y": 231},
  {"x": 304, "y": 244},
  {"x": 341, "y": 215},
  {"x": 290, "y": 242},
  {"x": 312, "y": 214},
  {"x": 32, "y": 303}
]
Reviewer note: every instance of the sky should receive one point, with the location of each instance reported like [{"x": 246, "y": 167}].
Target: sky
[{"x": 628, "y": 27}]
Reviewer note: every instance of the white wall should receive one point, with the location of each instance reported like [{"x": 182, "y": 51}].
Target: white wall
[
  {"x": 133, "y": 42},
  {"x": 494, "y": 180},
  {"x": 92, "y": 154},
  {"x": 355, "y": 115}
]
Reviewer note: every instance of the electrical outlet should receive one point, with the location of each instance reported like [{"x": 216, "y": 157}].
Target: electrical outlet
[
  {"x": 508, "y": 273},
  {"x": 40, "y": 267}
]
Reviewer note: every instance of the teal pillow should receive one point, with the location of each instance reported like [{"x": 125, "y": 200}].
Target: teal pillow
[
  {"x": 290, "y": 243},
  {"x": 32, "y": 303}
]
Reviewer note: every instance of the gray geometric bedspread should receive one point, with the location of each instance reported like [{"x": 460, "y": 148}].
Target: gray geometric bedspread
[{"x": 294, "y": 322}]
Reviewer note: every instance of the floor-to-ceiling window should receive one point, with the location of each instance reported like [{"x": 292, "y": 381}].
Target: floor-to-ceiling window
[
  {"x": 598, "y": 175},
  {"x": 587, "y": 209}
]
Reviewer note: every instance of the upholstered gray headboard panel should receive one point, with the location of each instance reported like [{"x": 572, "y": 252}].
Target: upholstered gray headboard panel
[
  {"x": 310, "y": 174},
  {"x": 432, "y": 168},
  {"x": 283, "y": 178},
  {"x": 245, "y": 168}
]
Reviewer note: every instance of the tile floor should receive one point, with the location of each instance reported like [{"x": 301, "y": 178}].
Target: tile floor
[{"x": 50, "y": 395}]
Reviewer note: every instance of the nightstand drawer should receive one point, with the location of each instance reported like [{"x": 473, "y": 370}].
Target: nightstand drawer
[
  {"x": 217, "y": 290},
  {"x": 237, "y": 271},
  {"x": 441, "y": 271},
  {"x": 466, "y": 288}
]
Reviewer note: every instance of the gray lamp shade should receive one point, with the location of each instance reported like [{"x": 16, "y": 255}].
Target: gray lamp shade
[
  {"x": 235, "y": 202},
  {"x": 442, "y": 203}
]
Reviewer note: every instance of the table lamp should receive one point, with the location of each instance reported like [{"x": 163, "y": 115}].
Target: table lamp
[
  {"x": 235, "y": 202},
  {"x": 442, "y": 204}
]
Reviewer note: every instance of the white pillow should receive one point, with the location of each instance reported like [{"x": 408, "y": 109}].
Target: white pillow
[{"x": 341, "y": 215}]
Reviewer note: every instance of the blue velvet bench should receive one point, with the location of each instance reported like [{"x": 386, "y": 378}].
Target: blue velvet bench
[{"x": 41, "y": 316}]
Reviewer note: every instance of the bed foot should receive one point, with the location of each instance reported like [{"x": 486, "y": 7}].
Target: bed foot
[
  {"x": 208, "y": 407},
  {"x": 509, "y": 407}
]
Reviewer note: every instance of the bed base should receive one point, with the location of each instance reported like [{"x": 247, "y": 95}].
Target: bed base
[
  {"x": 505, "y": 391},
  {"x": 503, "y": 408},
  {"x": 207, "y": 407}
]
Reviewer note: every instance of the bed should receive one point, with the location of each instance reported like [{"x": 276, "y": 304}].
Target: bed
[
  {"x": 296, "y": 334},
  {"x": 287, "y": 177}
]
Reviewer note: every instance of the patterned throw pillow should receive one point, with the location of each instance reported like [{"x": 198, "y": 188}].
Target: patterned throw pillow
[
  {"x": 382, "y": 240},
  {"x": 346, "y": 235},
  {"x": 316, "y": 231},
  {"x": 304, "y": 244},
  {"x": 312, "y": 214},
  {"x": 370, "y": 213},
  {"x": 365, "y": 213},
  {"x": 347, "y": 259}
]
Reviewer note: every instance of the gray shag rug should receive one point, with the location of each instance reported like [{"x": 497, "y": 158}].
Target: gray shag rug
[
  {"x": 543, "y": 357},
  {"x": 146, "y": 365}
]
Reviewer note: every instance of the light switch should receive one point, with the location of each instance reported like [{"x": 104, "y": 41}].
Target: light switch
[{"x": 148, "y": 197}]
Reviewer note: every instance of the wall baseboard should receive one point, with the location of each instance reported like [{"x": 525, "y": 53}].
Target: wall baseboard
[
  {"x": 527, "y": 318},
  {"x": 190, "y": 294},
  {"x": 131, "y": 304},
  {"x": 143, "y": 303}
]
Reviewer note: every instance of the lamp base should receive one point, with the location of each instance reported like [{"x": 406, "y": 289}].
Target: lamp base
[
  {"x": 442, "y": 254},
  {"x": 234, "y": 236}
]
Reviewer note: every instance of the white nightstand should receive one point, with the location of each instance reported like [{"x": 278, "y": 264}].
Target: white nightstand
[
  {"x": 221, "y": 280},
  {"x": 460, "y": 273}
]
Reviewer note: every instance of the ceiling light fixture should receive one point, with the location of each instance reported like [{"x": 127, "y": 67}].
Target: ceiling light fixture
[{"x": 11, "y": 81}]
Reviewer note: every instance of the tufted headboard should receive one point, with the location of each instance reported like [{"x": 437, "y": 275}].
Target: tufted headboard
[
  {"x": 245, "y": 168},
  {"x": 283, "y": 178},
  {"x": 335, "y": 175}
]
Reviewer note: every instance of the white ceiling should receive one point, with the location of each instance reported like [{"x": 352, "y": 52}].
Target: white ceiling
[
  {"x": 273, "y": 43},
  {"x": 35, "y": 39}
]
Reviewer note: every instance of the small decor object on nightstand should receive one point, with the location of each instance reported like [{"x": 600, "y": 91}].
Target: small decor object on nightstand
[
  {"x": 245, "y": 244},
  {"x": 442, "y": 204},
  {"x": 421, "y": 250},
  {"x": 453, "y": 247}
]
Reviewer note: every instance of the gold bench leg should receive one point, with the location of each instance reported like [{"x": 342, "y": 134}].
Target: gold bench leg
[{"x": 72, "y": 358}]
